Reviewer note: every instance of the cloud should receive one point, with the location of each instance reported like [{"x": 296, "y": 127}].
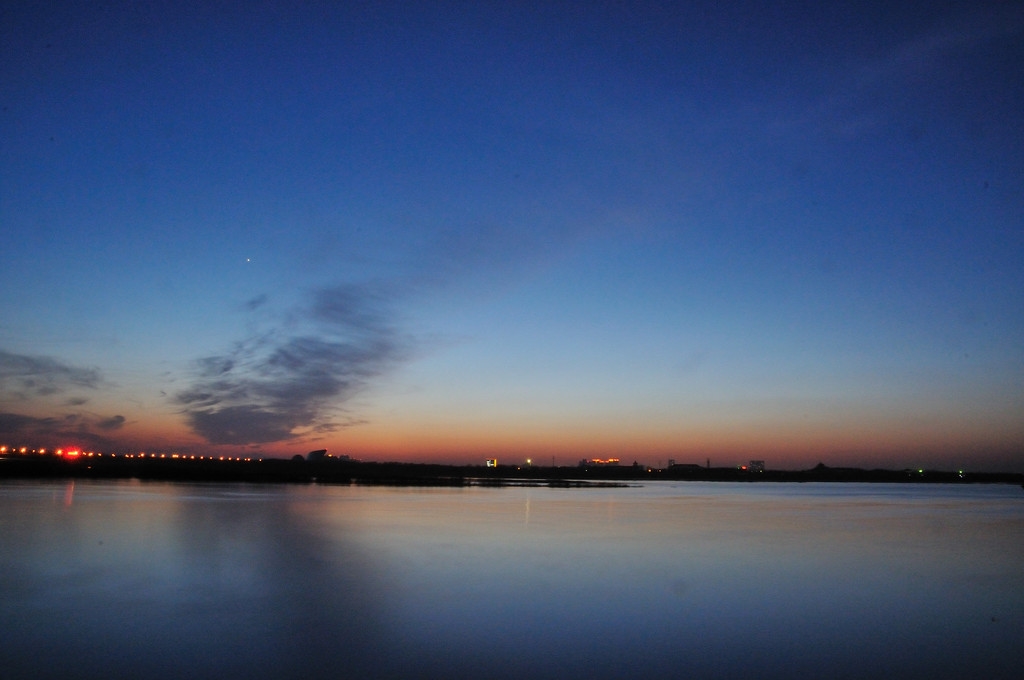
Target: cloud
[
  {"x": 25, "y": 376},
  {"x": 71, "y": 429},
  {"x": 274, "y": 387},
  {"x": 256, "y": 302},
  {"x": 112, "y": 423},
  {"x": 860, "y": 95},
  {"x": 246, "y": 424},
  {"x": 15, "y": 423},
  {"x": 34, "y": 378}
]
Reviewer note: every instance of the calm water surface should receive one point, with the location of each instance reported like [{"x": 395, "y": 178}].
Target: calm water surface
[{"x": 159, "y": 580}]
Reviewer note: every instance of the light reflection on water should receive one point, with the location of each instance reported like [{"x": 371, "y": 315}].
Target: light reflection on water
[{"x": 132, "y": 579}]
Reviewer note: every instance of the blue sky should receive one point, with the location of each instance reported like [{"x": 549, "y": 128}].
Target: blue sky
[{"x": 452, "y": 231}]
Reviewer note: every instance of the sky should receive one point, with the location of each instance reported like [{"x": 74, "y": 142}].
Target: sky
[{"x": 445, "y": 232}]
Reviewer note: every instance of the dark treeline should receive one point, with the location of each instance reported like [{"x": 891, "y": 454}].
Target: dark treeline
[{"x": 338, "y": 471}]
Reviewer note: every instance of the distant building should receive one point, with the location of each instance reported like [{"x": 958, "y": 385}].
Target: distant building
[
  {"x": 491, "y": 462},
  {"x": 599, "y": 462},
  {"x": 756, "y": 466}
]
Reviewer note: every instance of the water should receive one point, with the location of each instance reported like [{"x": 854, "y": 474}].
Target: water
[{"x": 160, "y": 580}]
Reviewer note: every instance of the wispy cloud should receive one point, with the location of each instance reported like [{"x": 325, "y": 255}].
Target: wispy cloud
[
  {"x": 33, "y": 379},
  {"x": 859, "y": 94},
  {"x": 16, "y": 424},
  {"x": 25, "y": 376},
  {"x": 256, "y": 302},
  {"x": 280, "y": 386},
  {"x": 71, "y": 429}
]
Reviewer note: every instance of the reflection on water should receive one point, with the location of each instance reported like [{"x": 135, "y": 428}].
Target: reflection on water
[{"x": 130, "y": 579}]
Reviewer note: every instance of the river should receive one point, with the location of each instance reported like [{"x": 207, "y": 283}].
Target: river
[{"x": 133, "y": 579}]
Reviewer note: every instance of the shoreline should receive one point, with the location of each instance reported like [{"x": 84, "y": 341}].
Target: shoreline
[{"x": 337, "y": 471}]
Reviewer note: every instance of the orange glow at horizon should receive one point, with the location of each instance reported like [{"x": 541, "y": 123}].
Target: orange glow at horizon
[
  {"x": 855, "y": 441},
  {"x": 855, "y": 437}
]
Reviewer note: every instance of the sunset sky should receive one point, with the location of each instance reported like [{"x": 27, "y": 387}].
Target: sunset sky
[{"x": 451, "y": 231}]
